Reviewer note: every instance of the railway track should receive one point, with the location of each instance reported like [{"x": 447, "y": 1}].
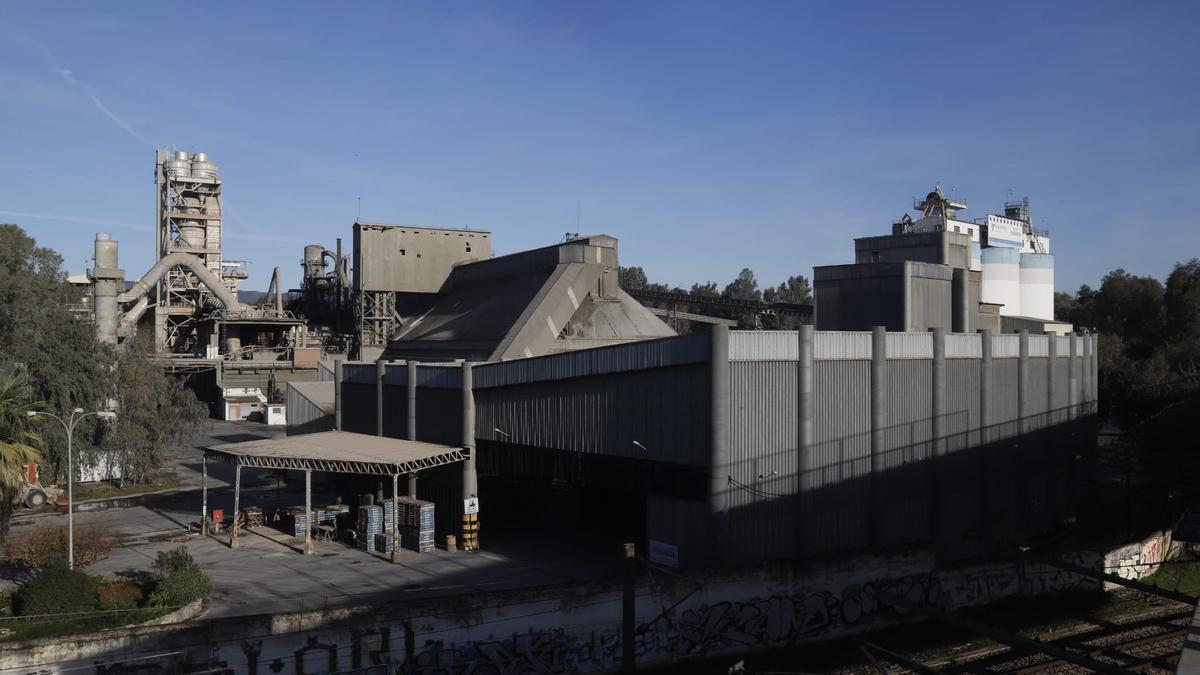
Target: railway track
[{"x": 1148, "y": 641}]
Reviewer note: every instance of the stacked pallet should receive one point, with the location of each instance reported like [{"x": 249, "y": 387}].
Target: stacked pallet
[
  {"x": 384, "y": 543},
  {"x": 370, "y": 523},
  {"x": 416, "y": 524},
  {"x": 252, "y": 516},
  {"x": 299, "y": 520}
]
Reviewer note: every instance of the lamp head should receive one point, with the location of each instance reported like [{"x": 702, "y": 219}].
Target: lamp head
[
  {"x": 77, "y": 410},
  {"x": 30, "y": 413},
  {"x": 107, "y": 415}
]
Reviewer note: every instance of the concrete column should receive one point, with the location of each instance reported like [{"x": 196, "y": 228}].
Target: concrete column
[
  {"x": 380, "y": 373},
  {"x": 470, "y": 486},
  {"x": 204, "y": 494},
  {"x": 719, "y": 469},
  {"x": 985, "y": 385},
  {"x": 939, "y": 391},
  {"x": 878, "y": 421},
  {"x": 470, "y": 478},
  {"x": 804, "y": 422},
  {"x": 412, "y": 400},
  {"x": 1096, "y": 368},
  {"x": 308, "y": 519},
  {"x": 337, "y": 394},
  {"x": 1073, "y": 381},
  {"x": 237, "y": 505},
  {"x": 1051, "y": 362},
  {"x": 107, "y": 283},
  {"x": 1024, "y": 405},
  {"x": 937, "y": 449},
  {"x": 1086, "y": 367}
]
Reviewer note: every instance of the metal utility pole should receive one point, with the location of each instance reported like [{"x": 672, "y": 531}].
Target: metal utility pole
[{"x": 69, "y": 426}]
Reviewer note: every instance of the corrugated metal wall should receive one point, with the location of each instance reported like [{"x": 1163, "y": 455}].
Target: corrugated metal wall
[
  {"x": 781, "y": 502},
  {"x": 835, "y": 487},
  {"x": 664, "y": 409},
  {"x": 764, "y": 441},
  {"x": 304, "y": 416}
]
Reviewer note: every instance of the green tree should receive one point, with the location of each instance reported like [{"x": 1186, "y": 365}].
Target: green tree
[
  {"x": 1133, "y": 308},
  {"x": 632, "y": 278},
  {"x": 1182, "y": 299},
  {"x": 19, "y": 444},
  {"x": 796, "y": 291}
]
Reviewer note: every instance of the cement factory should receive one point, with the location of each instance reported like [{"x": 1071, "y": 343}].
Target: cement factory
[
  {"x": 939, "y": 340},
  {"x": 928, "y": 405}
]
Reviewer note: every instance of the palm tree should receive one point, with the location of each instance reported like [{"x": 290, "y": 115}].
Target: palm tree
[{"x": 19, "y": 445}]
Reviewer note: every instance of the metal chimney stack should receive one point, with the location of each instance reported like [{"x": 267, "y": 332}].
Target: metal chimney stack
[{"x": 107, "y": 280}]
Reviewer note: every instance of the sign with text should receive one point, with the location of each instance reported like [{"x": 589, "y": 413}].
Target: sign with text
[
  {"x": 662, "y": 553},
  {"x": 471, "y": 505}
]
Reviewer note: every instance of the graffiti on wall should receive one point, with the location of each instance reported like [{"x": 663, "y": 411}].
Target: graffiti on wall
[
  {"x": 684, "y": 628},
  {"x": 1139, "y": 559}
]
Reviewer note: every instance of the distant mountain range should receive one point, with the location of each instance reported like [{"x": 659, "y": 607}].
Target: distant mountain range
[{"x": 250, "y": 297}]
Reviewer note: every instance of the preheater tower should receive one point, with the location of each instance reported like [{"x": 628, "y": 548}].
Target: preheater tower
[{"x": 189, "y": 212}]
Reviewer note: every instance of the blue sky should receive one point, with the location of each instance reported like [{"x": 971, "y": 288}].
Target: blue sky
[{"x": 706, "y": 137}]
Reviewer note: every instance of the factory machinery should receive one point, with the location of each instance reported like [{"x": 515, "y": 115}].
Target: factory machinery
[{"x": 188, "y": 299}]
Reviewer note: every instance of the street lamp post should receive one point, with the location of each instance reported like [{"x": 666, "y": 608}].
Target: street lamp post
[{"x": 69, "y": 426}]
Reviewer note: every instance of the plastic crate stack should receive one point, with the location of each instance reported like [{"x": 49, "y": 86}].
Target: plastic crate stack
[
  {"x": 370, "y": 523},
  {"x": 416, "y": 524}
]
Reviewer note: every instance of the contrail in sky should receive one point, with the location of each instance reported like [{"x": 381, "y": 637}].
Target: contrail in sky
[
  {"x": 67, "y": 75},
  {"x": 74, "y": 219}
]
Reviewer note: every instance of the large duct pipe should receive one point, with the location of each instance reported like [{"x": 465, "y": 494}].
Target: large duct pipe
[
  {"x": 106, "y": 279},
  {"x": 340, "y": 266},
  {"x": 194, "y": 265},
  {"x": 131, "y": 316},
  {"x": 275, "y": 291}
]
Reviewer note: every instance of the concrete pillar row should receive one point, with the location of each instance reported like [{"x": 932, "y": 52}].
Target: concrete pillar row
[
  {"x": 1073, "y": 378},
  {"x": 985, "y": 384},
  {"x": 805, "y": 385}
]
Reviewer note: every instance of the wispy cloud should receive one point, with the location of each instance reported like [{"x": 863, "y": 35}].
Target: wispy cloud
[
  {"x": 70, "y": 78},
  {"x": 75, "y": 219}
]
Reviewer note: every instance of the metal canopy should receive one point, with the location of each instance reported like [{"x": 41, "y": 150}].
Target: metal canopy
[{"x": 337, "y": 452}]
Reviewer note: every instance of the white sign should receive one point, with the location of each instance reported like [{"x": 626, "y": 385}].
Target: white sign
[
  {"x": 662, "y": 553},
  {"x": 471, "y": 505}
]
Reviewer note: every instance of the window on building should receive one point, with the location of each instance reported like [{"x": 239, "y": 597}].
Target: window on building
[
  {"x": 874, "y": 256},
  {"x": 956, "y": 229}
]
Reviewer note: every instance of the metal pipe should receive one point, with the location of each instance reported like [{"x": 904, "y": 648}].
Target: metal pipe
[
  {"x": 237, "y": 503},
  {"x": 380, "y": 373},
  {"x": 194, "y": 265},
  {"x": 204, "y": 494},
  {"x": 411, "y": 387},
  {"x": 939, "y": 450},
  {"x": 396, "y": 518}
]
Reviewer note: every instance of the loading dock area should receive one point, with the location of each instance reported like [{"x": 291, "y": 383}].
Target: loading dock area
[{"x": 337, "y": 452}]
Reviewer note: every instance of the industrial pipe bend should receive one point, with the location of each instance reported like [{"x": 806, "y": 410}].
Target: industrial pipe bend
[
  {"x": 340, "y": 266},
  {"x": 142, "y": 286}
]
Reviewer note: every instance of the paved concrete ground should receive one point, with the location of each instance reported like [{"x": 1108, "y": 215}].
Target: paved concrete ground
[{"x": 268, "y": 573}]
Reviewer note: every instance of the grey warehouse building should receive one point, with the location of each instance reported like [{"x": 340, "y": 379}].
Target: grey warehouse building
[{"x": 733, "y": 447}]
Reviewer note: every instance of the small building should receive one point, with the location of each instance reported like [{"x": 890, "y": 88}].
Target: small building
[
  {"x": 276, "y": 414},
  {"x": 243, "y": 403}
]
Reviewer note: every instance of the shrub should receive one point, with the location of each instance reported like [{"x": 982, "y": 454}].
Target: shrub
[
  {"x": 120, "y": 594},
  {"x": 46, "y": 547},
  {"x": 57, "y": 590},
  {"x": 178, "y": 579}
]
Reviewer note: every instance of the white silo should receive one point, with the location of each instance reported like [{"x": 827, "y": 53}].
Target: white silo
[
  {"x": 1001, "y": 282},
  {"x": 1037, "y": 285}
]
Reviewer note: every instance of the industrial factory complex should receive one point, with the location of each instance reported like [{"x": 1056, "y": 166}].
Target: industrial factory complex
[
  {"x": 927, "y": 415},
  {"x": 935, "y": 353}
]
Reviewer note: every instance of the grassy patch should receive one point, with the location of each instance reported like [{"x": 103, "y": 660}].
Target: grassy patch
[
  {"x": 1182, "y": 576},
  {"x": 22, "y": 628},
  {"x": 106, "y": 490}
]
